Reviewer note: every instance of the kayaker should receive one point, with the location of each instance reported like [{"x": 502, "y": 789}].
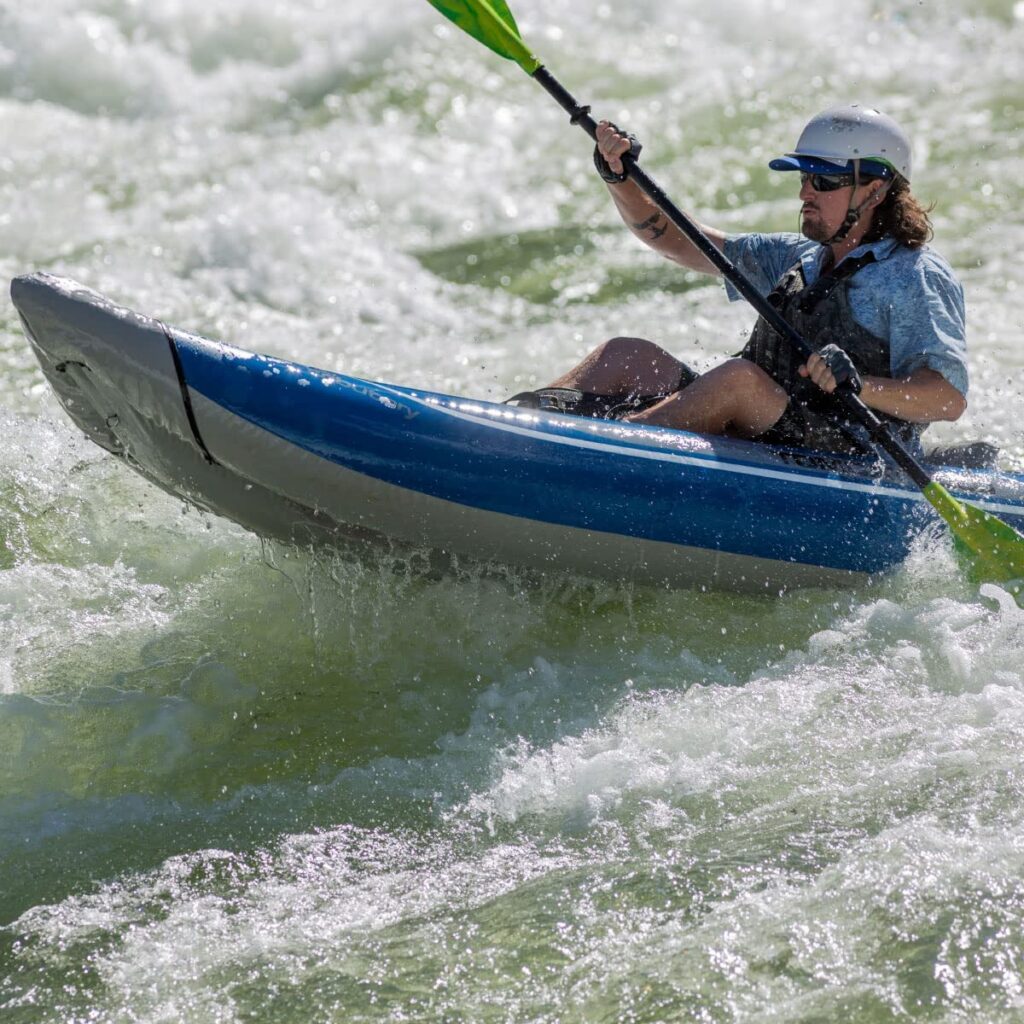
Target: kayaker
[{"x": 860, "y": 283}]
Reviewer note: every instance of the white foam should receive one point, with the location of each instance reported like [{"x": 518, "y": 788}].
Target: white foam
[{"x": 434, "y": 782}]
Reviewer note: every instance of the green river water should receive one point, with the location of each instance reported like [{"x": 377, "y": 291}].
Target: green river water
[{"x": 242, "y": 783}]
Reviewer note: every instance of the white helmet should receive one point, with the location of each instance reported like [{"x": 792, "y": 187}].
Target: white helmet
[{"x": 834, "y": 139}]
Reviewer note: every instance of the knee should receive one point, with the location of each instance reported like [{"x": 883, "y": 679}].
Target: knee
[
  {"x": 623, "y": 350},
  {"x": 742, "y": 373},
  {"x": 639, "y": 357}
]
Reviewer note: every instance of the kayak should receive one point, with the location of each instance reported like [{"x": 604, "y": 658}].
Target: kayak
[{"x": 307, "y": 456}]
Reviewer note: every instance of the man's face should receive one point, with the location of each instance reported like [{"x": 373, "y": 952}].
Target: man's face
[{"x": 822, "y": 213}]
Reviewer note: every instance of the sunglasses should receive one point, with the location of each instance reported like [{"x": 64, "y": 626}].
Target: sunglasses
[{"x": 827, "y": 182}]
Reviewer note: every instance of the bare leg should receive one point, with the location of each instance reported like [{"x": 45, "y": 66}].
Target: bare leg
[
  {"x": 736, "y": 398},
  {"x": 624, "y": 366}
]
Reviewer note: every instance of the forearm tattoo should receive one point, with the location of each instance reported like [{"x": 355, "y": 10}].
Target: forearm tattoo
[{"x": 652, "y": 224}]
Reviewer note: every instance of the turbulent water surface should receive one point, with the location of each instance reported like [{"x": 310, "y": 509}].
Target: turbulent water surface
[{"x": 245, "y": 783}]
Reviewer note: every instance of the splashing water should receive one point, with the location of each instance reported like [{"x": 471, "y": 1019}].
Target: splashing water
[{"x": 240, "y": 782}]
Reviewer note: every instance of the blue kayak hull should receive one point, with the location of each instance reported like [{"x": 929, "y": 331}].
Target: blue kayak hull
[{"x": 309, "y": 456}]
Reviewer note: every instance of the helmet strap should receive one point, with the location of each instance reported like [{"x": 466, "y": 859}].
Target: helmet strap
[{"x": 854, "y": 212}]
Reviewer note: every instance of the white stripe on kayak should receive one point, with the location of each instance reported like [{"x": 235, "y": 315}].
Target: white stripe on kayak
[{"x": 703, "y": 462}]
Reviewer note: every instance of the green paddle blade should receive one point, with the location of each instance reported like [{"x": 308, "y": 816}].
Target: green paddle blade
[
  {"x": 491, "y": 23},
  {"x": 994, "y": 549}
]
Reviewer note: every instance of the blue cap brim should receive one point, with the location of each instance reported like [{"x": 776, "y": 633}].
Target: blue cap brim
[
  {"x": 815, "y": 165},
  {"x": 810, "y": 164}
]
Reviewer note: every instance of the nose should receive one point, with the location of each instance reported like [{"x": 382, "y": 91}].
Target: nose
[{"x": 806, "y": 191}]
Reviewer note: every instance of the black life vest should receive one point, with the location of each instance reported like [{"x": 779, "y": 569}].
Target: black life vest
[{"x": 821, "y": 313}]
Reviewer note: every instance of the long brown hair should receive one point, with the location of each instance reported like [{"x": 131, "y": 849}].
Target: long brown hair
[{"x": 901, "y": 216}]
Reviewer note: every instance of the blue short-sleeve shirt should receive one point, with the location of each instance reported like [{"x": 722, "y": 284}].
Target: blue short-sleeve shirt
[{"x": 911, "y": 297}]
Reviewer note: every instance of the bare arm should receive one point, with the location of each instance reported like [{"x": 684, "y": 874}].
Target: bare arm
[
  {"x": 923, "y": 397},
  {"x": 643, "y": 218}
]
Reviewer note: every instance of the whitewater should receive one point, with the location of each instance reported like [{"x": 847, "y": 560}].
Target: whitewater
[{"x": 246, "y": 782}]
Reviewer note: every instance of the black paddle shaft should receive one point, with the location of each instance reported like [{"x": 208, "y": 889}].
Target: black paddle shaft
[{"x": 876, "y": 428}]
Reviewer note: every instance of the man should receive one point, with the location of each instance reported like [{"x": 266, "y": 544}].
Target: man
[{"x": 884, "y": 311}]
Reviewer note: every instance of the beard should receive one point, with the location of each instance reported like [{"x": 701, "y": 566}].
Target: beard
[{"x": 812, "y": 227}]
